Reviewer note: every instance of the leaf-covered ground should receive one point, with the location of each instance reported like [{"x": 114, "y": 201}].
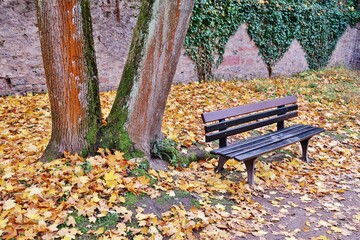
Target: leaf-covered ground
[{"x": 109, "y": 197}]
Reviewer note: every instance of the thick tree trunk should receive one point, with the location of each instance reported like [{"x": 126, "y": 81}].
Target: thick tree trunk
[
  {"x": 69, "y": 59},
  {"x": 136, "y": 117}
]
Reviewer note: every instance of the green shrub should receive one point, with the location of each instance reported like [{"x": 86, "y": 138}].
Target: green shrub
[{"x": 166, "y": 150}]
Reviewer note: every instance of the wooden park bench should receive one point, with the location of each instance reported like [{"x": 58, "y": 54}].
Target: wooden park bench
[{"x": 227, "y": 122}]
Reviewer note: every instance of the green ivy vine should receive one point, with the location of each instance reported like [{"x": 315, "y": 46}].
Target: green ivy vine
[
  {"x": 212, "y": 24},
  {"x": 272, "y": 25}
]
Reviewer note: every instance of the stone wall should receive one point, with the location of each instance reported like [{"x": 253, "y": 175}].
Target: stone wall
[
  {"x": 355, "y": 59},
  {"x": 346, "y": 49},
  {"x": 21, "y": 67},
  {"x": 242, "y": 60}
]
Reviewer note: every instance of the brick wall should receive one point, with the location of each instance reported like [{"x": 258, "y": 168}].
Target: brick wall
[{"x": 21, "y": 67}]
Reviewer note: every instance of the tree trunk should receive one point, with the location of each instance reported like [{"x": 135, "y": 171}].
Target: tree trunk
[
  {"x": 136, "y": 116},
  {"x": 270, "y": 69},
  {"x": 71, "y": 75}
]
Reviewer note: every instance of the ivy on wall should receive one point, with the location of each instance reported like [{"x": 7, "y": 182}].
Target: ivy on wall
[
  {"x": 321, "y": 26},
  {"x": 212, "y": 24},
  {"x": 272, "y": 25},
  {"x": 272, "y": 29}
]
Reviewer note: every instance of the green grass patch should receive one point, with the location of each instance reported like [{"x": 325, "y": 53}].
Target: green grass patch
[
  {"x": 224, "y": 202},
  {"x": 138, "y": 172},
  {"x": 286, "y": 152},
  {"x": 167, "y": 150},
  {"x": 336, "y": 136},
  {"x": 86, "y": 166},
  {"x": 131, "y": 199},
  {"x": 180, "y": 196},
  {"x": 132, "y": 225},
  {"x": 83, "y": 224}
]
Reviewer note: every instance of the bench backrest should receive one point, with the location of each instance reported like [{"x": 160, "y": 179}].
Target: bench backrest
[{"x": 244, "y": 118}]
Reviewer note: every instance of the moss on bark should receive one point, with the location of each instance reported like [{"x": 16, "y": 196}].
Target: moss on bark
[
  {"x": 51, "y": 152},
  {"x": 114, "y": 135},
  {"x": 91, "y": 73}
]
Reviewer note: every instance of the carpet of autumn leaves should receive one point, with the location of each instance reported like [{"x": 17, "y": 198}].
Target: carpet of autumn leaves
[{"x": 77, "y": 198}]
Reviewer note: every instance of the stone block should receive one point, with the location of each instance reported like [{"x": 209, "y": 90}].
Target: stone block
[
  {"x": 4, "y": 85},
  {"x": 293, "y": 61},
  {"x": 231, "y": 60},
  {"x": 345, "y": 48}
]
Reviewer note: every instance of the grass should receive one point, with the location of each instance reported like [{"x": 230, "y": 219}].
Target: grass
[
  {"x": 139, "y": 171},
  {"x": 132, "y": 199},
  {"x": 286, "y": 152},
  {"x": 180, "y": 195},
  {"x": 90, "y": 229},
  {"x": 222, "y": 201},
  {"x": 308, "y": 85},
  {"x": 336, "y": 136}
]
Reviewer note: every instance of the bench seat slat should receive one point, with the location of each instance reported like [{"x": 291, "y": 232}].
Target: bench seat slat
[
  {"x": 271, "y": 146},
  {"x": 231, "y": 112},
  {"x": 262, "y": 137},
  {"x": 272, "y": 140},
  {"x": 278, "y": 145},
  {"x": 247, "y": 127},
  {"x": 243, "y": 147},
  {"x": 252, "y": 117}
]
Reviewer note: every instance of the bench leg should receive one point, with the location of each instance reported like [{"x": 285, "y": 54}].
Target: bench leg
[
  {"x": 221, "y": 163},
  {"x": 250, "y": 165},
  {"x": 304, "y": 147}
]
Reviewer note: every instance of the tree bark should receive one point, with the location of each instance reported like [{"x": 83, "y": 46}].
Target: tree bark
[
  {"x": 136, "y": 116},
  {"x": 65, "y": 29}
]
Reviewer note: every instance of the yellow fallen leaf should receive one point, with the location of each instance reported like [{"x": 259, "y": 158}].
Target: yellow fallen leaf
[
  {"x": 171, "y": 193},
  {"x": 32, "y": 148},
  {"x": 3, "y": 223},
  {"x": 71, "y": 221},
  {"x": 119, "y": 155},
  {"x": 32, "y": 213},
  {"x": 53, "y": 227},
  {"x": 113, "y": 198},
  {"x": 139, "y": 237},
  {"x": 335, "y": 229},
  {"x": 259, "y": 233},
  {"x": 153, "y": 172},
  {"x": 101, "y": 230},
  {"x": 34, "y": 190},
  {"x": 83, "y": 179},
  {"x": 110, "y": 179},
  {"x": 321, "y": 237},
  {"x": 305, "y": 198},
  {"x": 9, "y": 204}
]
